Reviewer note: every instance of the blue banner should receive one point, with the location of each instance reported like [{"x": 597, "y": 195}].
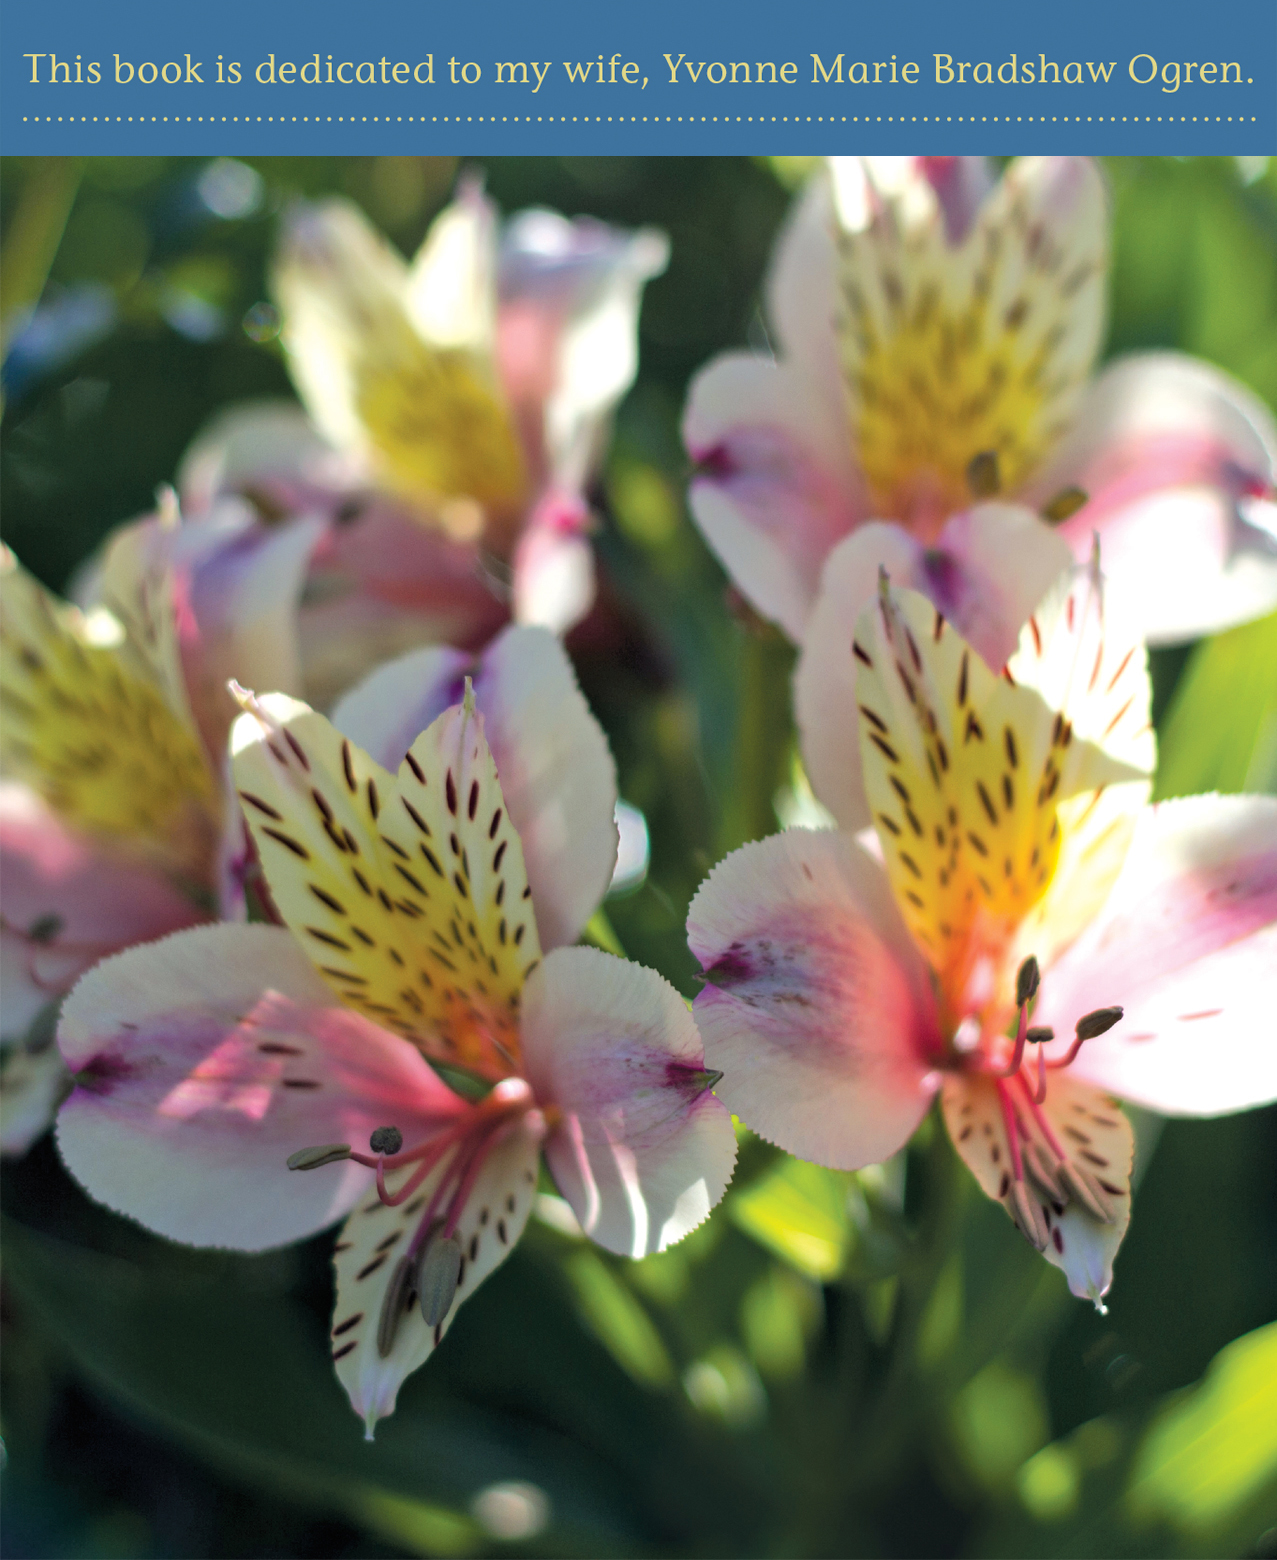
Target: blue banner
[{"x": 810, "y": 76}]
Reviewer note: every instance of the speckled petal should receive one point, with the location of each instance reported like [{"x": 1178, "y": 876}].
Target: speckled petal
[
  {"x": 372, "y": 1243},
  {"x": 1072, "y": 1199}
]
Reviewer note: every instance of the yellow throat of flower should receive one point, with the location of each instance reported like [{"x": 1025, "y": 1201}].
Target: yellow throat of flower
[
  {"x": 1003, "y": 802},
  {"x": 409, "y": 891},
  {"x": 951, "y": 352},
  {"x": 443, "y": 437},
  {"x": 94, "y": 739},
  {"x": 932, "y": 391}
]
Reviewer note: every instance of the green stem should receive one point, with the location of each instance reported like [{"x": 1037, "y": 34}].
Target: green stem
[
  {"x": 32, "y": 240},
  {"x": 889, "y": 1423}
]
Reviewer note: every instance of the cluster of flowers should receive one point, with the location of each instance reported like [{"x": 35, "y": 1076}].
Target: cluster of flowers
[{"x": 274, "y": 941}]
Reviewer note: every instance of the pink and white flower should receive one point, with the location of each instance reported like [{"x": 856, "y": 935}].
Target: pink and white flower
[
  {"x": 429, "y": 914},
  {"x": 936, "y": 333},
  {"x": 458, "y": 407},
  {"x": 851, "y": 980},
  {"x": 115, "y": 726}
]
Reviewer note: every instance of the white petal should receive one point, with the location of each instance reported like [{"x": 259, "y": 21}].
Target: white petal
[
  {"x": 1187, "y": 945},
  {"x": 372, "y": 1242},
  {"x": 256, "y": 444},
  {"x": 1175, "y": 456},
  {"x": 818, "y": 1010},
  {"x": 452, "y": 287},
  {"x": 596, "y": 351},
  {"x": 776, "y": 489},
  {"x": 643, "y": 1150},
  {"x": 801, "y": 292},
  {"x": 203, "y": 1062},
  {"x": 244, "y": 585}
]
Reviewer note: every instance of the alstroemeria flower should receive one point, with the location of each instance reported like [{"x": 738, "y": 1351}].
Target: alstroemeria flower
[
  {"x": 459, "y": 404},
  {"x": 937, "y": 333},
  {"x": 111, "y": 806},
  {"x": 847, "y": 985},
  {"x": 428, "y": 911}
]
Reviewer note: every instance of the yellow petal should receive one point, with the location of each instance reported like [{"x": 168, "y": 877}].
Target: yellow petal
[
  {"x": 950, "y": 353},
  {"x": 408, "y": 892},
  {"x": 85, "y": 728},
  {"x": 438, "y": 429},
  {"x": 424, "y": 409},
  {"x": 965, "y": 772}
]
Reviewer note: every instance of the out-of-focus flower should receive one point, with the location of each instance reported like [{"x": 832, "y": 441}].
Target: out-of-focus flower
[
  {"x": 458, "y": 407},
  {"x": 427, "y": 914},
  {"x": 111, "y": 805},
  {"x": 937, "y": 333},
  {"x": 849, "y": 981}
]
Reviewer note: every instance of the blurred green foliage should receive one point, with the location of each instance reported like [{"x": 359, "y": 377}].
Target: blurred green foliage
[{"x": 835, "y": 1364}]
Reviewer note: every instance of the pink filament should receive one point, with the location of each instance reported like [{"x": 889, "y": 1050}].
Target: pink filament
[
  {"x": 1012, "y": 1129},
  {"x": 1017, "y": 1056},
  {"x": 1040, "y": 1117}
]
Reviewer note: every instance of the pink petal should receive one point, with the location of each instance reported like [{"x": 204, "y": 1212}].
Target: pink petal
[
  {"x": 383, "y": 584},
  {"x": 367, "y": 1250},
  {"x": 775, "y": 489},
  {"x": 554, "y": 583},
  {"x": 987, "y": 571},
  {"x": 266, "y": 449},
  {"x": 203, "y": 1062},
  {"x": 245, "y": 583},
  {"x": 961, "y": 185},
  {"x": 817, "y": 1010},
  {"x": 1176, "y": 457},
  {"x": 567, "y": 330},
  {"x": 82, "y": 899},
  {"x": 552, "y": 759},
  {"x": 1187, "y": 945},
  {"x": 642, "y": 1149},
  {"x": 921, "y": 187}
]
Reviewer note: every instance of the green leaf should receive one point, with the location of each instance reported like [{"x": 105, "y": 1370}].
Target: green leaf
[
  {"x": 618, "y": 1321},
  {"x": 1217, "y": 1445},
  {"x": 800, "y": 1212},
  {"x": 243, "y": 1376},
  {"x": 1221, "y": 731}
]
